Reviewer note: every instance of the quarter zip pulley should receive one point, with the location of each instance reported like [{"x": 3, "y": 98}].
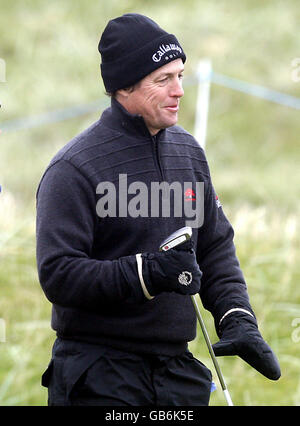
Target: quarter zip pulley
[{"x": 157, "y": 157}]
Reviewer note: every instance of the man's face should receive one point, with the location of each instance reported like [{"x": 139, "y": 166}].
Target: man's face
[{"x": 156, "y": 97}]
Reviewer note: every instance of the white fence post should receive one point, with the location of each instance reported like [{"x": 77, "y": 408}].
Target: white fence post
[{"x": 204, "y": 69}]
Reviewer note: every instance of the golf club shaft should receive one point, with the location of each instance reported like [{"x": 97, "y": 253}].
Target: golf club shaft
[
  {"x": 211, "y": 351},
  {"x": 177, "y": 238}
]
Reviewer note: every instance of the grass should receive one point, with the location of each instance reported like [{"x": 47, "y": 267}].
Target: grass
[{"x": 52, "y": 62}]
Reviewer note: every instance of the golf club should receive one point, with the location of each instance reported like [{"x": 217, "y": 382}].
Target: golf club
[{"x": 173, "y": 240}]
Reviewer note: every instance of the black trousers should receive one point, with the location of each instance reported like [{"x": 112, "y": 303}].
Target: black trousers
[{"x": 91, "y": 375}]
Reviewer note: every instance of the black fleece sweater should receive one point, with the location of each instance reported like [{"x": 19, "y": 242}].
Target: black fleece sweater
[{"x": 84, "y": 260}]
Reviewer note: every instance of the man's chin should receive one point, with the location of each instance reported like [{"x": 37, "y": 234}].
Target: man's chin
[{"x": 171, "y": 121}]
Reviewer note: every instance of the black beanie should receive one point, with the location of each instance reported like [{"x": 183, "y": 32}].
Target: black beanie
[{"x": 131, "y": 47}]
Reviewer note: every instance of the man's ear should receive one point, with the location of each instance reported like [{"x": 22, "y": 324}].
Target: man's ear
[{"x": 124, "y": 93}]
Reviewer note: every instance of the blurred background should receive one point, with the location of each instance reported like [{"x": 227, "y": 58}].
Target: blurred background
[{"x": 51, "y": 89}]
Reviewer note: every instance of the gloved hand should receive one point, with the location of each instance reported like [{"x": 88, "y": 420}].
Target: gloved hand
[
  {"x": 240, "y": 336},
  {"x": 173, "y": 270}
]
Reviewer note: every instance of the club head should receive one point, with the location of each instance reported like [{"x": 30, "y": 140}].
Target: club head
[{"x": 178, "y": 237}]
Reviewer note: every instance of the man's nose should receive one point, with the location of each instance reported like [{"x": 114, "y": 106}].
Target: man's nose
[{"x": 177, "y": 89}]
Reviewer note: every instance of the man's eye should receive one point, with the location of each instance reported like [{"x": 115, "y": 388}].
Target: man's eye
[{"x": 163, "y": 80}]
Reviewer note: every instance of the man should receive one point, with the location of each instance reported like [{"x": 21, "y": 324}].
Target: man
[{"x": 122, "y": 315}]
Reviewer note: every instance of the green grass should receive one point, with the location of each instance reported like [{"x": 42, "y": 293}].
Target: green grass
[{"x": 52, "y": 62}]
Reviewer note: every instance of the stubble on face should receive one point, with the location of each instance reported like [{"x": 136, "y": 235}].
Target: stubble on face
[{"x": 156, "y": 97}]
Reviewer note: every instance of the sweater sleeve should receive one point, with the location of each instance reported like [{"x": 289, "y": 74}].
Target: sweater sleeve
[
  {"x": 223, "y": 284},
  {"x": 65, "y": 226}
]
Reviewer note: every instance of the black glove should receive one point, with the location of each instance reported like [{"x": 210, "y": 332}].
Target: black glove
[
  {"x": 173, "y": 270},
  {"x": 240, "y": 336}
]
